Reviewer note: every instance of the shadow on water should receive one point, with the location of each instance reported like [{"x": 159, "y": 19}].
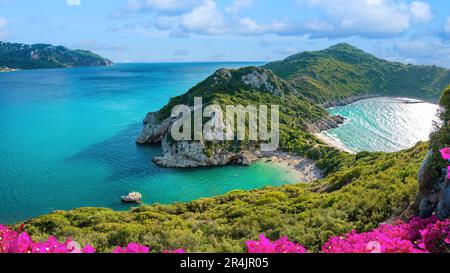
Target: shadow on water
[
  {"x": 129, "y": 161},
  {"x": 123, "y": 156}
]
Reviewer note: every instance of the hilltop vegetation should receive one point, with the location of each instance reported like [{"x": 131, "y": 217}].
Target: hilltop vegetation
[
  {"x": 22, "y": 56},
  {"x": 342, "y": 71}
]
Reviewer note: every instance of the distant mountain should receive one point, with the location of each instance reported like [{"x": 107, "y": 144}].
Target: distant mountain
[
  {"x": 23, "y": 56},
  {"x": 342, "y": 71}
]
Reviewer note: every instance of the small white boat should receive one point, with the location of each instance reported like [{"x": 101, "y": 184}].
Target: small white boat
[{"x": 133, "y": 197}]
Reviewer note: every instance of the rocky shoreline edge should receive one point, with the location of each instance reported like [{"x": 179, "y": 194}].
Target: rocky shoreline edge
[
  {"x": 6, "y": 69},
  {"x": 349, "y": 100}
]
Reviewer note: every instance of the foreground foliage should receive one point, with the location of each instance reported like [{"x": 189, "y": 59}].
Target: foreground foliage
[
  {"x": 367, "y": 190},
  {"x": 416, "y": 236}
]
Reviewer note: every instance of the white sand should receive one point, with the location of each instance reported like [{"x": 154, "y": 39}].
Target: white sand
[
  {"x": 334, "y": 143},
  {"x": 303, "y": 168}
]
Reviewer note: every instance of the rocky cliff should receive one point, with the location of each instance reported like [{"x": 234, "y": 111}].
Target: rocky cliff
[
  {"x": 189, "y": 154},
  {"x": 434, "y": 184}
]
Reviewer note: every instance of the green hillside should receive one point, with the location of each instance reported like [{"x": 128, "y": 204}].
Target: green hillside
[
  {"x": 22, "y": 56},
  {"x": 343, "y": 70}
]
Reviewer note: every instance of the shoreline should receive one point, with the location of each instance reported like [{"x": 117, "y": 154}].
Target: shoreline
[
  {"x": 334, "y": 143},
  {"x": 348, "y": 100},
  {"x": 8, "y": 70},
  {"x": 303, "y": 168},
  {"x": 353, "y": 99}
]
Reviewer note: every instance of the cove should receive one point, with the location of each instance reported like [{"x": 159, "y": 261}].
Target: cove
[{"x": 383, "y": 124}]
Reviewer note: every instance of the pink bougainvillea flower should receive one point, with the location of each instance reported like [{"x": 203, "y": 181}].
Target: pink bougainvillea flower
[
  {"x": 445, "y": 153},
  {"x": 7, "y": 236},
  {"x": 52, "y": 245},
  {"x": 22, "y": 244},
  {"x": 416, "y": 236},
  {"x": 88, "y": 249},
  {"x": 282, "y": 245},
  {"x": 132, "y": 248}
]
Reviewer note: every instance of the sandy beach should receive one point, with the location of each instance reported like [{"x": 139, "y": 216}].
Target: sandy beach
[
  {"x": 334, "y": 143},
  {"x": 303, "y": 168}
]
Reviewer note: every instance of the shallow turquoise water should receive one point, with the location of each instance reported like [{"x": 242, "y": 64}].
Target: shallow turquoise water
[
  {"x": 383, "y": 124},
  {"x": 67, "y": 140}
]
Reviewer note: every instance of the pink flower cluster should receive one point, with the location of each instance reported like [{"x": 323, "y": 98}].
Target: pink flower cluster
[
  {"x": 20, "y": 242},
  {"x": 416, "y": 236},
  {"x": 282, "y": 245},
  {"x": 137, "y": 248},
  {"x": 445, "y": 153}
]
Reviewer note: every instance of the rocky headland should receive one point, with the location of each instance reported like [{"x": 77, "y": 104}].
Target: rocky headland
[{"x": 192, "y": 154}]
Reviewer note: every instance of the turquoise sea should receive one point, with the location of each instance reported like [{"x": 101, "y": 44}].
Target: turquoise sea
[
  {"x": 383, "y": 124},
  {"x": 67, "y": 140}
]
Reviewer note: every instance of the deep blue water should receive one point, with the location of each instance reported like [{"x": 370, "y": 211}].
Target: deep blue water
[{"x": 67, "y": 140}]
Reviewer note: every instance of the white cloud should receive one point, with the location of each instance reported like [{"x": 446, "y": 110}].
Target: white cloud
[
  {"x": 73, "y": 2},
  {"x": 330, "y": 18},
  {"x": 421, "y": 11},
  {"x": 207, "y": 19},
  {"x": 204, "y": 19},
  {"x": 239, "y": 5},
  {"x": 248, "y": 26},
  {"x": 369, "y": 18},
  {"x": 3, "y": 23}
]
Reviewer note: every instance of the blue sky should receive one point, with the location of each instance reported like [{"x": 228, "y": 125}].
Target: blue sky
[{"x": 232, "y": 30}]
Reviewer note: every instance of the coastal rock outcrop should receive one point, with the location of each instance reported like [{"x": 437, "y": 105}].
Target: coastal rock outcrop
[
  {"x": 325, "y": 124},
  {"x": 192, "y": 154},
  {"x": 433, "y": 176},
  {"x": 132, "y": 197},
  {"x": 189, "y": 154},
  {"x": 154, "y": 130},
  {"x": 434, "y": 195}
]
